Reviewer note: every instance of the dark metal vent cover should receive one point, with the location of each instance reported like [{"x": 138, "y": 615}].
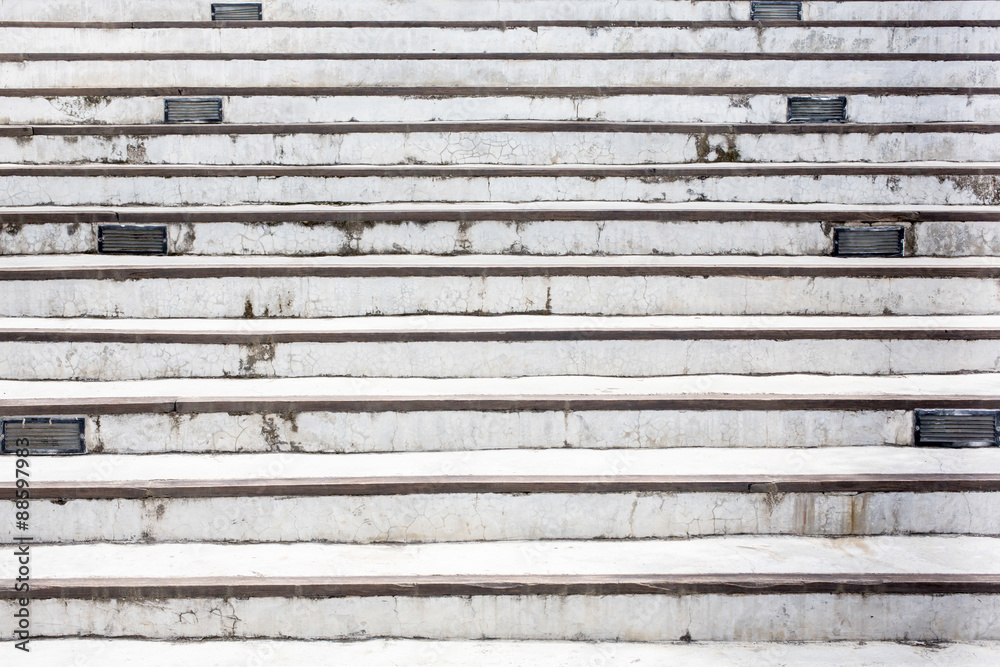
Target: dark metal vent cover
[
  {"x": 192, "y": 110},
  {"x": 868, "y": 241},
  {"x": 817, "y": 109},
  {"x": 132, "y": 240},
  {"x": 44, "y": 435},
  {"x": 775, "y": 11},
  {"x": 237, "y": 11},
  {"x": 957, "y": 428}
]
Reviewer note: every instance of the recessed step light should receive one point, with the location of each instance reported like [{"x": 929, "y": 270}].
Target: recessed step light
[
  {"x": 237, "y": 11},
  {"x": 192, "y": 110},
  {"x": 868, "y": 241},
  {"x": 132, "y": 240},
  {"x": 775, "y": 11},
  {"x": 44, "y": 435},
  {"x": 817, "y": 109},
  {"x": 957, "y": 428}
]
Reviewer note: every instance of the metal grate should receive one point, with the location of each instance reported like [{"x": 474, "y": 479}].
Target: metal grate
[
  {"x": 775, "y": 11},
  {"x": 817, "y": 109},
  {"x": 868, "y": 241},
  {"x": 132, "y": 240},
  {"x": 957, "y": 428},
  {"x": 237, "y": 11},
  {"x": 192, "y": 110},
  {"x": 44, "y": 435}
]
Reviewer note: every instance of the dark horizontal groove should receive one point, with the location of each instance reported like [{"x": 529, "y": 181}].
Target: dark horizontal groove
[
  {"x": 334, "y": 214},
  {"x": 507, "y": 25},
  {"x": 513, "y": 403},
  {"x": 652, "y": 171},
  {"x": 490, "y": 91},
  {"x": 875, "y": 269},
  {"x": 390, "y": 486},
  {"x": 520, "y": 55},
  {"x": 224, "y": 337},
  {"x": 491, "y": 585},
  {"x": 498, "y": 126}
]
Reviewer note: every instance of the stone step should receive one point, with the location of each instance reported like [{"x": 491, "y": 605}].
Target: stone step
[
  {"x": 924, "y": 588},
  {"x": 307, "y": 71},
  {"x": 501, "y": 495},
  {"x": 499, "y": 142},
  {"x": 276, "y": 287},
  {"x": 416, "y": 415},
  {"x": 491, "y": 37},
  {"x": 112, "y": 104},
  {"x": 945, "y": 183},
  {"x": 503, "y": 346},
  {"x": 546, "y": 228},
  {"x": 490, "y": 10},
  {"x": 499, "y": 653}
]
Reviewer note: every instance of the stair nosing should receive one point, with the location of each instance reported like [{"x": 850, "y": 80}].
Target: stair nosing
[
  {"x": 511, "y": 484},
  {"x": 526, "y": 126}
]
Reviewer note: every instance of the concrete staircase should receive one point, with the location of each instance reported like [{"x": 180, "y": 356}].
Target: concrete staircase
[{"x": 514, "y": 332}]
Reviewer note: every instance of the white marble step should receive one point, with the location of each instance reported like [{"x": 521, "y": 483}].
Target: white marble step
[
  {"x": 732, "y": 588},
  {"x": 898, "y": 183},
  {"x": 544, "y": 228},
  {"x": 483, "y": 10},
  {"x": 234, "y": 287},
  {"x": 445, "y": 70},
  {"x": 273, "y": 105},
  {"x": 512, "y": 143},
  {"x": 501, "y": 38},
  {"x": 414, "y": 415},
  {"x": 503, "y": 346},
  {"x": 429, "y": 653},
  {"x": 511, "y": 495}
]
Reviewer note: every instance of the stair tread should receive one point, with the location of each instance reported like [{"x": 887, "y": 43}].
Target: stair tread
[
  {"x": 729, "y": 555},
  {"x": 497, "y": 653},
  {"x": 501, "y": 326},
  {"x": 679, "y": 466}
]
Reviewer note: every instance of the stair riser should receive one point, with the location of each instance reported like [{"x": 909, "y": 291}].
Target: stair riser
[
  {"x": 450, "y": 359},
  {"x": 233, "y": 190},
  {"x": 680, "y": 108},
  {"x": 774, "y": 617},
  {"x": 612, "y": 237},
  {"x": 352, "y": 432},
  {"x": 485, "y": 10},
  {"x": 498, "y": 73},
  {"x": 502, "y": 148},
  {"x": 567, "y": 295},
  {"x": 475, "y": 517},
  {"x": 543, "y": 39}
]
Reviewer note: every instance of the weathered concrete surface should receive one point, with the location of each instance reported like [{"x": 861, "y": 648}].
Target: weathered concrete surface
[
  {"x": 344, "y": 432},
  {"x": 381, "y": 10},
  {"x": 567, "y": 295},
  {"x": 540, "y": 39},
  {"x": 468, "y": 517},
  {"x": 503, "y": 147},
  {"x": 126, "y": 190},
  {"x": 450, "y": 359},
  {"x": 487, "y": 73},
  {"x": 749, "y": 108}
]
